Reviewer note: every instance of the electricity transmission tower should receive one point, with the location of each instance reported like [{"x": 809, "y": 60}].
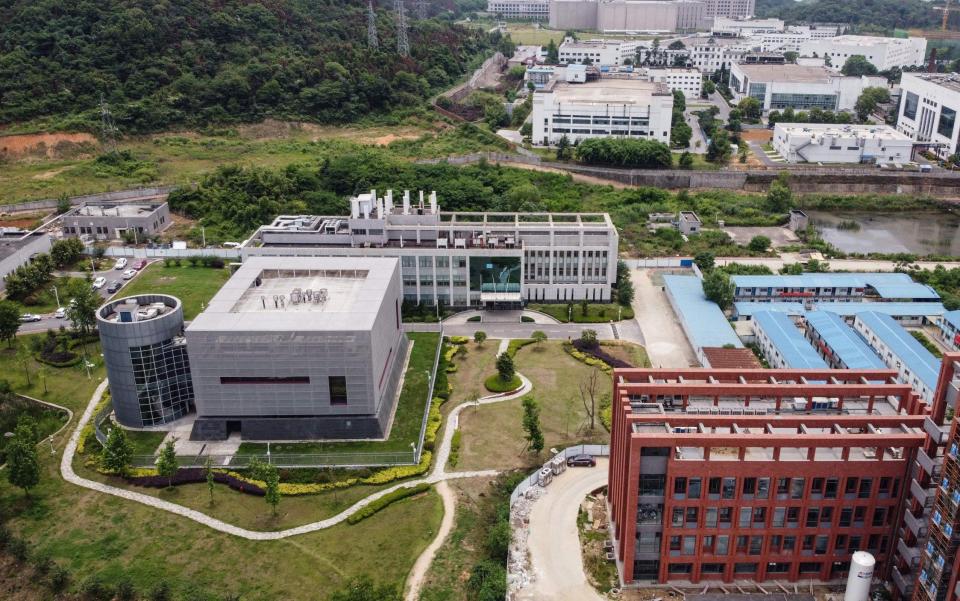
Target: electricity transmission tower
[
  {"x": 372, "y": 40},
  {"x": 108, "y": 131},
  {"x": 403, "y": 42},
  {"x": 420, "y": 7}
]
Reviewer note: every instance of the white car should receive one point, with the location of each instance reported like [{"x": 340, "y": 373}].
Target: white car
[
  {"x": 99, "y": 282},
  {"x": 120, "y": 264},
  {"x": 129, "y": 273},
  {"x": 27, "y": 317},
  {"x": 60, "y": 313}
]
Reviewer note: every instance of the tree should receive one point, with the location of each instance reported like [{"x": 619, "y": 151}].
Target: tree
[
  {"x": 271, "y": 478},
  {"x": 718, "y": 151},
  {"x": 708, "y": 88},
  {"x": 718, "y": 288},
  {"x": 9, "y": 322},
  {"x": 539, "y": 337},
  {"x": 66, "y": 252},
  {"x": 24, "y": 359},
  {"x": 676, "y": 45},
  {"x": 563, "y": 148},
  {"x": 505, "y": 367},
  {"x": 584, "y": 308},
  {"x": 553, "y": 53},
  {"x": 624, "y": 283},
  {"x": 167, "y": 464},
  {"x": 588, "y": 338},
  {"x": 479, "y": 336},
  {"x": 117, "y": 452},
  {"x": 496, "y": 116},
  {"x": 869, "y": 99},
  {"x": 679, "y": 100},
  {"x": 82, "y": 310},
  {"x": 750, "y": 107},
  {"x": 208, "y": 474},
  {"x": 759, "y": 244},
  {"x": 858, "y": 65},
  {"x": 531, "y": 424},
  {"x": 790, "y": 56},
  {"x": 23, "y": 467},
  {"x": 686, "y": 160},
  {"x": 680, "y": 133},
  {"x": 589, "y": 388},
  {"x": 779, "y": 196},
  {"x": 704, "y": 260},
  {"x": 63, "y": 203}
]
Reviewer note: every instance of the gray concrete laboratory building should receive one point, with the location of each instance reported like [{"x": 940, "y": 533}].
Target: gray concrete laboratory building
[
  {"x": 146, "y": 359},
  {"x": 299, "y": 348}
]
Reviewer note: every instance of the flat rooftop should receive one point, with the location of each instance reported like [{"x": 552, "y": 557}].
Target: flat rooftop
[
  {"x": 117, "y": 210},
  {"x": 843, "y": 341},
  {"x": 871, "y": 132},
  {"x": 300, "y": 293},
  {"x": 887, "y": 285},
  {"x": 788, "y": 341},
  {"x": 702, "y": 320},
  {"x": 12, "y": 240},
  {"x": 865, "y": 40},
  {"x": 788, "y": 73},
  {"x": 951, "y": 81},
  {"x": 610, "y": 91},
  {"x": 918, "y": 360},
  {"x": 923, "y": 309}
]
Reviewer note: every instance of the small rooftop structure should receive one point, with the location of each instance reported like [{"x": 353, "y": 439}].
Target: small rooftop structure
[
  {"x": 135, "y": 309},
  {"x": 950, "y": 81},
  {"x": 702, "y": 320},
  {"x": 886, "y": 285},
  {"x": 689, "y": 222},
  {"x": 792, "y": 73},
  {"x": 841, "y": 341},
  {"x": 794, "y": 350},
  {"x": 746, "y": 309},
  {"x": 729, "y": 358},
  {"x": 608, "y": 91},
  {"x": 115, "y": 209}
]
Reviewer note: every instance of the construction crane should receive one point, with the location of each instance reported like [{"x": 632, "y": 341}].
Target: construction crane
[{"x": 946, "y": 9}]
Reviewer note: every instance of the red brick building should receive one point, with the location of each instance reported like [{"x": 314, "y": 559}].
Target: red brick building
[{"x": 727, "y": 474}]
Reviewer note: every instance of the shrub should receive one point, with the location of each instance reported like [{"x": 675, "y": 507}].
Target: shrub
[
  {"x": 474, "y": 318},
  {"x": 495, "y": 384},
  {"x": 387, "y": 499},
  {"x": 42, "y": 563},
  {"x": 455, "y": 448},
  {"x": 17, "y": 547},
  {"x": 59, "y": 579},
  {"x": 459, "y": 339},
  {"x": 516, "y": 344},
  {"x": 527, "y": 319},
  {"x": 93, "y": 589}
]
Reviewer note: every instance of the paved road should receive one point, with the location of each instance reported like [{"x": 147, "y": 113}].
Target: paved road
[
  {"x": 758, "y": 151},
  {"x": 554, "y": 542},
  {"x": 666, "y": 343},
  {"x": 721, "y": 103}
]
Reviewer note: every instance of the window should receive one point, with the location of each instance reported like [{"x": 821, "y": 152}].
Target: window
[
  {"x": 865, "y": 485},
  {"x": 714, "y": 486},
  {"x": 879, "y": 515},
  {"x": 338, "y": 390},
  {"x": 796, "y": 488},
  {"x": 809, "y": 567},
  {"x": 763, "y": 488},
  {"x": 851, "y": 486},
  {"x": 693, "y": 489},
  {"x": 726, "y": 516},
  {"x": 947, "y": 118},
  {"x": 729, "y": 488},
  {"x": 677, "y": 518},
  {"x": 830, "y": 491},
  {"x": 679, "y": 487},
  {"x": 744, "y": 568},
  {"x": 723, "y": 545},
  {"x": 264, "y": 380},
  {"x": 846, "y": 517},
  {"x": 652, "y": 484},
  {"x": 783, "y": 486},
  {"x": 680, "y": 568},
  {"x": 813, "y": 517},
  {"x": 816, "y": 487},
  {"x": 711, "y": 517},
  {"x": 749, "y": 486}
]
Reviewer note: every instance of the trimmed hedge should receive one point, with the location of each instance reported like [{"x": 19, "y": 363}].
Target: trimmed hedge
[
  {"x": 495, "y": 384},
  {"x": 194, "y": 475},
  {"x": 387, "y": 499},
  {"x": 458, "y": 339},
  {"x": 587, "y": 359},
  {"x": 516, "y": 344},
  {"x": 598, "y": 353}
]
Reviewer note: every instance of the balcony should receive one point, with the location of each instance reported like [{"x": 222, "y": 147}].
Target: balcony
[
  {"x": 904, "y": 582},
  {"x": 917, "y": 525},
  {"x": 932, "y": 466},
  {"x": 909, "y": 554},
  {"x": 937, "y": 433},
  {"x": 922, "y": 495}
]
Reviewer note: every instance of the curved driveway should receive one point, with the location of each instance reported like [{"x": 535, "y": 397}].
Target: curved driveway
[{"x": 556, "y": 561}]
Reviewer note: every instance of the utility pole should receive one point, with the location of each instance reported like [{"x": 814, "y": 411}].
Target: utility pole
[
  {"x": 108, "y": 130},
  {"x": 403, "y": 42},
  {"x": 420, "y": 7},
  {"x": 372, "y": 40}
]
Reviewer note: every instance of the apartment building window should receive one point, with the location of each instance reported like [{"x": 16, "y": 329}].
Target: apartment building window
[
  {"x": 796, "y": 488},
  {"x": 826, "y": 516},
  {"x": 694, "y": 488},
  {"x": 338, "y": 390},
  {"x": 711, "y": 517},
  {"x": 830, "y": 490},
  {"x": 763, "y": 488},
  {"x": 711, "y": 568},
  {"x": 726, "y": 517},
  {"x": 744, "y": 568},
  {"x": 879, "y": 516},
  {"x": 813, "y": 517},
  {"x": 850, "y": 488},
  {"x": 679, "y": 488},
  {"x": 749, "y": 488},
  {"x": 652, "y": 484},
  {"x": 846, "y": 517},
  {"x": 723, "y": 545}
]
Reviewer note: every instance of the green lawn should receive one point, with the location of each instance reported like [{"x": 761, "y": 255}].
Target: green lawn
[
  {"x": 44, "y": 300},
  {"x": 409, "y": 412},
  {"x": 194, "y": 286},
  {"x": 145, "y": 442},
  {"x": 596, "y": 312}
]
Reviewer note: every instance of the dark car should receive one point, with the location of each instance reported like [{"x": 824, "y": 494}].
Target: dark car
[
  {"x": 114, "y": 286},
  {"x": 581, "y": 461},
  {"x": 140, "y": 264}
]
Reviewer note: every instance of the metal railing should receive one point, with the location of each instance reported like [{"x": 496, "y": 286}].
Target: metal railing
[
  {"x": 426, "y": 411},
  {"x": 596, "y": 450},
  {"x": 287, "y": 460}
]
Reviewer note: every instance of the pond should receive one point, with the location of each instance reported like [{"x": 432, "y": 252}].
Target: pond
[{"x": 920, "y": 233}]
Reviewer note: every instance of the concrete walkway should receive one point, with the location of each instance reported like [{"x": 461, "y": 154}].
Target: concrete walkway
[{"x": 666, "y": 342}]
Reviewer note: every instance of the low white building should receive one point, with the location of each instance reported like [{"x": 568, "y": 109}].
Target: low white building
[
  {"x": 800, "y": 87},
  {"x": 830, "y": 143},
  {"x": 725, "y": 26},
  {"x": 883, "y": 53},
  {"x": 534, "y": 10},
  {"x": 688, "y": 81},
  {"x": 603, "y": 108},
  {"x": 928, "y": 110},
  {"x": 596, "y": 52},
  {"x": 708, "y": 54}
]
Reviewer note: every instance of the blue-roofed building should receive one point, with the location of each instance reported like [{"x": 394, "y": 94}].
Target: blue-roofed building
[
  {"x": 782, "y": 343},
  {"x": 832, "y": 286},
  {"x": 899, "y": 350},
  {"x": 949, "y": 325},
  {"x": 839, "y": 345},
  {"x": 906, "y": 313},
  {"x": 702, "y": 320}
]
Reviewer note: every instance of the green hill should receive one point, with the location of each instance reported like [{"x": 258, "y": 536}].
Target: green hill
[
  {"x": 871, "y": 15},
  {"x": 161, "y": 63}
]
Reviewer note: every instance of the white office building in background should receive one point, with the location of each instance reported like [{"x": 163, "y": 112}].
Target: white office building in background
[
  {"x": 928, "y": 110},
  {"x": 830, "y": 143},
  {"x": 883, "y": 53},
  {"x": 800, "y": 87},
  {"x": 533, "y": 10},
  {"x": 596, "y": 52},
  {"x": 688, "y": 81},
  {"x": 628, "y": 108},
  {"x": 727, "y": 27}
]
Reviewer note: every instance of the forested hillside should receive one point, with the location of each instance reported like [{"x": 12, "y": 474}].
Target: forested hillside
[
  {"x": 862, "y": 14},
  {"x": 161, "y": 63}
]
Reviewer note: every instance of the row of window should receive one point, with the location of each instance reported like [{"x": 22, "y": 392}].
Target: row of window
[
  {"x": 760, "y": 488},
  {"x": 780, "y": 517},
  {"x": 776, "y": 544},
  {"x": 719, "y": 569}
]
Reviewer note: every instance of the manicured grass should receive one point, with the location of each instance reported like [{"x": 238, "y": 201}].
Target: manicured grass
[
  {"x": 45, "y": 301},
  {"x": 12, "y": 409},
  {"x": 495, "y": 384},
  {"x": 194, "y": 286},
  {"x": 144, "y": 442},
  {"x": 67, "y": 386},
  {"x": 633, "y": 354},
  {"x": 492, "y": 435},
  {"x": 90, "y": 533},
  {"x": 409, "y": 412},
  {"x": 596, "y": 312}
]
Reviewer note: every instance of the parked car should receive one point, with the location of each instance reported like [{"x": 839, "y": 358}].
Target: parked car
[
  {"x": 60, "y": 313},
  {"x": 230, "y": 245},
  {"x": 120, "y": 264},
  {"x": 129, "y": 273},
  {"x": 581, "y": 461},
  {"x": 140, "y": 264},
  {"x": 26, "y": 317},
  {"x": 114, "y": 286},
  {"x": 99, "y": 283}
]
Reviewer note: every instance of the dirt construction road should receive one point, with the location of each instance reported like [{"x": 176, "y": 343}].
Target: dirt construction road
[{"x": 554, "y": 542}]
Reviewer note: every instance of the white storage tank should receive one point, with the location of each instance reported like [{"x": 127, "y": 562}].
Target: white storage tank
[{"x": 860, "y": 577}]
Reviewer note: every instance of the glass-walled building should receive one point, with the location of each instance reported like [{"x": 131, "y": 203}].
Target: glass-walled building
[
  {"x": 146, "y": 358},
  {"x": 461, "y": 259}
]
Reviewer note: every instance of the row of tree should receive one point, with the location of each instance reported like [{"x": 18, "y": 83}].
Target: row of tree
[
  {"x": 25, "y": 279},
  {"x": 619, "y": 152}
]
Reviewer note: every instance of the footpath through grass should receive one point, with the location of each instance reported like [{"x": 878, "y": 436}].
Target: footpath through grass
[
  {"x": 406, "y": 422},
  {"x": 194, "y": 286}
]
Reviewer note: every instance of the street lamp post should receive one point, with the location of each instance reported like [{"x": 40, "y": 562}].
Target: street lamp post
[
  {"x": 413, "y": 447},
  {"x": 57, "y": 296}
]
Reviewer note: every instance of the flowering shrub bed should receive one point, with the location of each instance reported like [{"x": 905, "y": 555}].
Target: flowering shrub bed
[
  {"x": 586, "y": 358},
  {"x": 598, "y": 353},
  {"x": 194, "y": 476}
]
